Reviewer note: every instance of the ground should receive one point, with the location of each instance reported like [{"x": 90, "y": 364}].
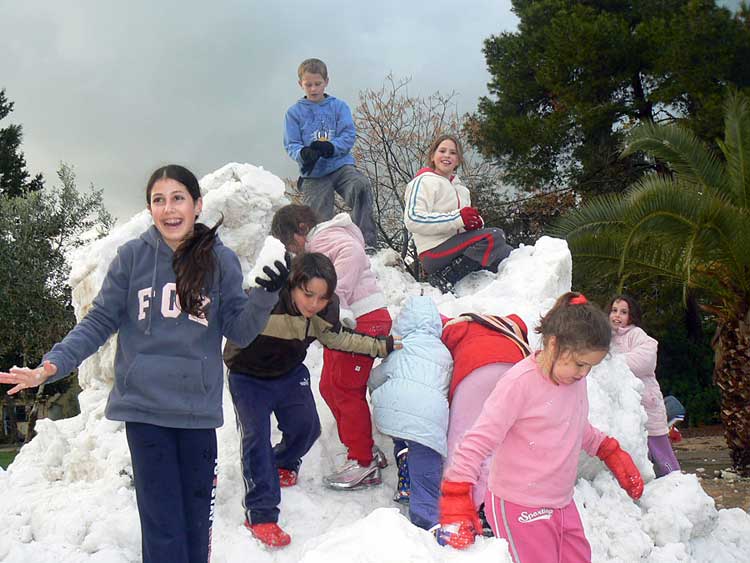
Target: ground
[{"x": 704, "y": 451}]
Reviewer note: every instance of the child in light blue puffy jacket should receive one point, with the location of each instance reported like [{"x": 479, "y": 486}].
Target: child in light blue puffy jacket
[{"x": 409, "y": 395}]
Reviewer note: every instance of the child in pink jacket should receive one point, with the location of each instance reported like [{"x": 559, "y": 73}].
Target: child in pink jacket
[
  {"x": 343, "y": 381},
  {"x": 639, "y": 348},
  {"x": 535, "y": 423}
]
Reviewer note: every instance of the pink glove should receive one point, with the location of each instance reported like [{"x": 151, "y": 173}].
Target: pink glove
[
  {"x": 471, "y": 218},
  {"x": 622, "y": 467},
  {"x": 459, "y": 521}
]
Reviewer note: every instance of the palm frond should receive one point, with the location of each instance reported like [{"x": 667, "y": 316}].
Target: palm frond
[
  {"x": 685, "y": 153},
  {"x": 736, "y": 147},
  {"x": 600, "y": 213}
]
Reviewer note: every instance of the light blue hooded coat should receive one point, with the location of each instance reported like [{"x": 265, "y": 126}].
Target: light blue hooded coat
[{"x": 409, "y": 389}]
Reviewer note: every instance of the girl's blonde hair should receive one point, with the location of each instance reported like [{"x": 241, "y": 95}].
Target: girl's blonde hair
[{"x": 436, "y": 143}]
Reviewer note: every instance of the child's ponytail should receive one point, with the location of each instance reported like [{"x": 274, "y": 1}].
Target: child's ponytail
[
  {"x": 193, "y": 261},
  {"x": 576, "y": 324}
]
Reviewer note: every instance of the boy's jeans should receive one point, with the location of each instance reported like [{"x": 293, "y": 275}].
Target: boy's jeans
[{"x": 353, "y": 187}]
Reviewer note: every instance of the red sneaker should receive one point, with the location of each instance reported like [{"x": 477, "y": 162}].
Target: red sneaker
[
  {"x": 287, "y": 477},
  {"x": 269, "y": 534}
]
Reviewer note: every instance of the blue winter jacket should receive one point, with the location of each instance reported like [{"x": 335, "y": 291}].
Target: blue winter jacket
[
  {"x": 329, "y": 120},
  {"x": 168, "y": 365},
  {"x": 409, "y": 389}
]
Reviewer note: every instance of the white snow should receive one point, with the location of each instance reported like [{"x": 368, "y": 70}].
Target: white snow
[{"x": 68, "y": 497}]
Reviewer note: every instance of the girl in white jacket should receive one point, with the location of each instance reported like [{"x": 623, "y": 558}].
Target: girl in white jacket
[
  {"x": 449, "y": 234},
  {"x": 640, "y": 354}
]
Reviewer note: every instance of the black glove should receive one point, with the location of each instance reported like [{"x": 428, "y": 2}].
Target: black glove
[
  {"x": 277, "y": 279},
  {"x": 325, "y": 148},
  {"x": 309, "y": 157}
]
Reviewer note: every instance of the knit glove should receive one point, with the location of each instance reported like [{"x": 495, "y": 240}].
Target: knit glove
[
  {"x": 622, "y": 467},
  {"x": 276, "y": 278},
  {"x": 309, "y": 158},
  {"x": 459, "y": 522},
  {"x": 325, "y": 148},
  {"x": 471, "y": 218}
]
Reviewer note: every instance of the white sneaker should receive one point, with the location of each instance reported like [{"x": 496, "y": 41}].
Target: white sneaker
[{"x": 352, "y": 475}]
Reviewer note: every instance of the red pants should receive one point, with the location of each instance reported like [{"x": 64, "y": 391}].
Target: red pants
[
  {"x": 343, "y": 386},
  {"x": 539, "y": 535}
]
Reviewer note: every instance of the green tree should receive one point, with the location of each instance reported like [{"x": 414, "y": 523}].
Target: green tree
[
  {"x": 37, "y": 234},
  {"x": 14, "y": 178},
  {"x": 577, "y": 75},
  {"x": 690, "y": 226}
]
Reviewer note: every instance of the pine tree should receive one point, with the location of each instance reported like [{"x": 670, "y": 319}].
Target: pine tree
[{"x": 14, "y": 178}]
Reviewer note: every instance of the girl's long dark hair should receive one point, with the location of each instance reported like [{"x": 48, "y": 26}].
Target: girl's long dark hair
[
  {"x": 576, "y": 324},
  {"x": 634, "y": 309},
  {"x": 194, "y": 262}
]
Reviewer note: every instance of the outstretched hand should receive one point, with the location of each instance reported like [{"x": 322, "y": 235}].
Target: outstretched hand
[
  {"x": 26, "y": 378},
  {"x": 276, "y": 278}
]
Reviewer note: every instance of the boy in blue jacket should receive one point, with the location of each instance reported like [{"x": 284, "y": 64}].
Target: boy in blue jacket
[
  {"x": 319, "y": 135},
  {"x": 409, "y": 394}
]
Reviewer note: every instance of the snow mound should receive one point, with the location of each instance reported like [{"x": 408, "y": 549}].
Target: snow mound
[{"x": 68, "y": 497}]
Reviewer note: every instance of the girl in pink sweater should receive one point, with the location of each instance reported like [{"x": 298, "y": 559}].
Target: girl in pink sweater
[
  {"x": 343, "y": 381},
  {"x": 639, "y": 348},
  {"x": 535, "y": 423}
]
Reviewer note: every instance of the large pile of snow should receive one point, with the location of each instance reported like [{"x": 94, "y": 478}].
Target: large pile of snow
[{"x": 68, "y": 497}]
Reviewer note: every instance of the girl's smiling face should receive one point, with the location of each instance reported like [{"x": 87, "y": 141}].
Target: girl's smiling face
[
  {"x": 445, "y": 159},
  {"x": 311, "y": 298},
  {"x": 619, "y": 314},
  {"x": 173, "y": 210}
]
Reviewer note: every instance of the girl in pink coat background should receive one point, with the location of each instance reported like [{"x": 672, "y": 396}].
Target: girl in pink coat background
[
  {"x": 640, "y": 349},
  {"x": 343, "y": 380}
]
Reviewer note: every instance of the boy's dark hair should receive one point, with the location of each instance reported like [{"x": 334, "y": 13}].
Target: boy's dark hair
[
  {"x": 436, "y": 143},
  {"x": 193, "y": 262},
  {"x": 576, "y": 326},
  {"x": 293, "y": 219},
  {"x": 312, "y": 66},
  {"x": 634, "y": 309},
  {"x": 311, "y": 265}
]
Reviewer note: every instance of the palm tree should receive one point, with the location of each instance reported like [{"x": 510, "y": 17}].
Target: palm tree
[{"x": 688, "y": 224}]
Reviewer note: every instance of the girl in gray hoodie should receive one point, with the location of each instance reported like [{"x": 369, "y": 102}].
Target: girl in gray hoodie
[{"x": 171, "y": 295}]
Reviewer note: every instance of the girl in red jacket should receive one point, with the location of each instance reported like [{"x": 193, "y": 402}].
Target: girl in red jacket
[{"x": 483, "y": 348}]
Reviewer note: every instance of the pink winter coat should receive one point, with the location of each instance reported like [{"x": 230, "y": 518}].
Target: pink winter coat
[
  {"x": 640, "y": 355},
  {"x": 341, "y": 241}
]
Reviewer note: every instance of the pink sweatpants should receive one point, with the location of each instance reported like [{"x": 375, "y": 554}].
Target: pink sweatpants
[{"x": 539, "y": 535}]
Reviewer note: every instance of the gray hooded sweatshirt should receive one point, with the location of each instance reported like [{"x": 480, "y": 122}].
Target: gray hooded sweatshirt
[{"x": 168, "y": 365}]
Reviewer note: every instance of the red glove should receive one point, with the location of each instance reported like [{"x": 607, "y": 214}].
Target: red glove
[
  {"x": 622, "y": 467},
  {"x": 459, "y": 520},
  {"x": 471, "y": 218}
]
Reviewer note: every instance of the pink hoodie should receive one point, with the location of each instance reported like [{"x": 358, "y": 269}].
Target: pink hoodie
[
  {"x": 536, "y": 430},
  {"x": 342, "y": 242},
  {"x": 640, "y": 355}
]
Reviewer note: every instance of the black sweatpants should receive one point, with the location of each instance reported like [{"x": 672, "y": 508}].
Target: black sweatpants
[{"x": 175, "y": 486}]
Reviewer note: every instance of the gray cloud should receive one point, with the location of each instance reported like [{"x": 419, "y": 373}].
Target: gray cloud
[{"x": 117, "y": 89}]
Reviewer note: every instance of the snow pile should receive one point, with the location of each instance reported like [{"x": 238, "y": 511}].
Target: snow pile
[{"x": 68, "y": 497}]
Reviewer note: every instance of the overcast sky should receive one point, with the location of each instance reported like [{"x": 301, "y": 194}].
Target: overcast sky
[{"x": 119, "y": 88}]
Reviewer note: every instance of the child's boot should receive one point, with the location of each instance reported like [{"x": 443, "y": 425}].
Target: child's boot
[
  {"x": 287, "y": 477},
  {"x": 269, "y": 533},
  {"x": 352, "y": 475},
  {"x": 403, "y": 487},
  {"x": 379, "y": 457}
]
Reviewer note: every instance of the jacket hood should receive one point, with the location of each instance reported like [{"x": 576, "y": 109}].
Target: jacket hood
[
  {"x": 342, "y": 220},
  {"x": 325, "y": 101},
  {"x": 428, "y": 170},
  {"x": 420, "y": 314}
]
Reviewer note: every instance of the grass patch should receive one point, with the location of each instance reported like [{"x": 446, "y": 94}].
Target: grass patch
[{"x": 6, "y": 457}]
